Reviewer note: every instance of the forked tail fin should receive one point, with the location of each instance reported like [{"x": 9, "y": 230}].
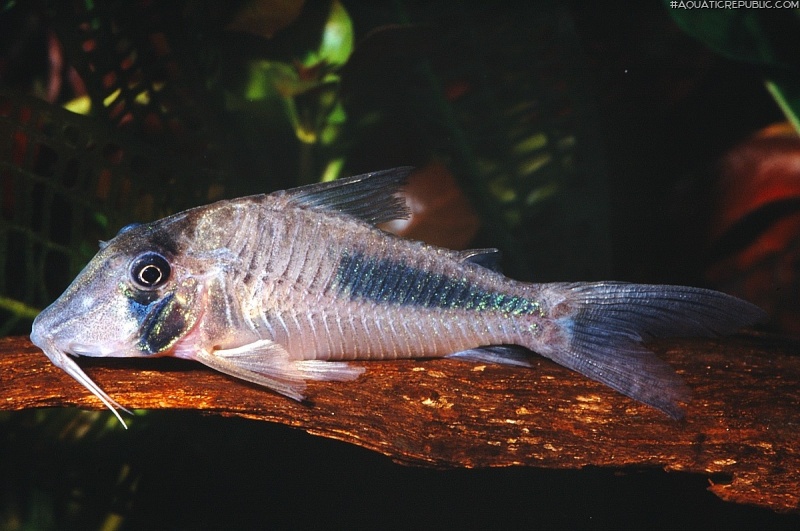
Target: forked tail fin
[{"x": 606, "y": 322}]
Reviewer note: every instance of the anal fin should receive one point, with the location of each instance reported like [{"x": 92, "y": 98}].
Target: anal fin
[
  {"x": 498, "y": 354},
  {"x": 267, "y": 363}
]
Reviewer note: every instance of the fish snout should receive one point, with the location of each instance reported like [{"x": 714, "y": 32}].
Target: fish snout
[
  {"x": 57, "y": 331},
  {"x": 39, "y": 330}
]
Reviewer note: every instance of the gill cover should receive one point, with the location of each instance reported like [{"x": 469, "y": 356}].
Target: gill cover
[{"x": 164, "y": 321}]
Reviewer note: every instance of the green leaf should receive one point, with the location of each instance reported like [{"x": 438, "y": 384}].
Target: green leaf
[
  {"x": 337, "y": 37},
  {"x": 18, "y": 308},
  {"x": 269, "y": 78},
  {"x": 787, "y": 96}
]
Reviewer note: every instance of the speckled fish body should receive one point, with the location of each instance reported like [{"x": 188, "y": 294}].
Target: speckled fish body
[{"x": 282, "y": 288}]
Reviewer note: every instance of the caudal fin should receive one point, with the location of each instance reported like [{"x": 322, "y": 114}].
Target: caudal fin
[{"x": 607, "y": 322}]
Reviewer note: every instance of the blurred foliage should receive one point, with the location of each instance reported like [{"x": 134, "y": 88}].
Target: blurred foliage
[
  {"x": 191, "y": 101},
  {"x": 767, "y": 38},
  {"x": 177, "y": 103},
  {"x": 316, "y": 119},
  {"x": 122, "y": 111},
  {"x": 754, "y": 224}
]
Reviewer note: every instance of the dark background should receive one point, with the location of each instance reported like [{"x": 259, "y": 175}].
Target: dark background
[{"x": 666, "y": 109}]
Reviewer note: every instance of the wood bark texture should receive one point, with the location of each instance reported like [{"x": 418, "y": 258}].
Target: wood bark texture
[{"x": 742, "y": 428}]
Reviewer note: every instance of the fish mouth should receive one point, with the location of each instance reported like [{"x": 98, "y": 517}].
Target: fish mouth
[
  {"x": 96, "y": 351},
  {"x": 56, "y": 335}
]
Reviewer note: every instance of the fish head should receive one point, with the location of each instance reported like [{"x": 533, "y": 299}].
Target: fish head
[{"x": 137, "y": 297}]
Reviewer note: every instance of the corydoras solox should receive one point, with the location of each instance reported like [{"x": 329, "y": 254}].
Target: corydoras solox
[{"x": 282, "y": 288}]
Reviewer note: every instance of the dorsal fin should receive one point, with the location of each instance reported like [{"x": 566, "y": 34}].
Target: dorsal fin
[
  {"x": 488, "y": 258},
  {"x": 370, "y": 197}
]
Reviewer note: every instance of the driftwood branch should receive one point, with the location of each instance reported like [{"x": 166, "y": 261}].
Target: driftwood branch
[{"x": 742, "y": 429}]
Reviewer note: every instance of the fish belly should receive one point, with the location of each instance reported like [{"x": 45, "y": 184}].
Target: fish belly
[{"x": 366, "y": 331}]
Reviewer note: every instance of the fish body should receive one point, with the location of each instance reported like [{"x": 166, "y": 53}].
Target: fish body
[{"x": 283, "y": 288}]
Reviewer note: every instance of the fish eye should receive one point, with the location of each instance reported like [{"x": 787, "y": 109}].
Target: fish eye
[{"x": 150, "y": 270}]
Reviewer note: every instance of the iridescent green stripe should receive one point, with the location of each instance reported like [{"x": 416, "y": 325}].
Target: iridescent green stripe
[{"x": 393, "y": 282}]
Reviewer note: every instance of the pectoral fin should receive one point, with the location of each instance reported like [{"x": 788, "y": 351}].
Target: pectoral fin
[{"x": 267, "y": 363}]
